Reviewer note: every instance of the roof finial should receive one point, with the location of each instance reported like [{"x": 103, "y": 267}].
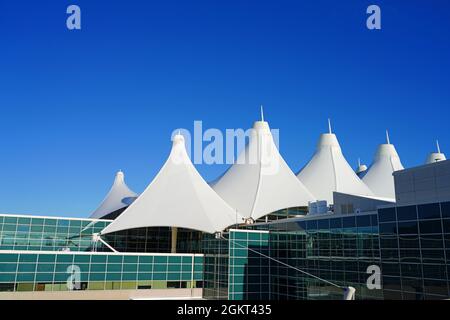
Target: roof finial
[
  {"x": 437, "y": 145},
  {"x": 387, "y": 137},
  {"x": 262, "y": 113},
  {"x": 359, "y": 162},
  {"x": 329, "y": 126}
]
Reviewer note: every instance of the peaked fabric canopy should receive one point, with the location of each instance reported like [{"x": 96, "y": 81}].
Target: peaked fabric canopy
[
  {"x": 177, "y": 197},
  {"x": 260, "y": 182},
  {"x": 118, "y": 197},
  {"x": 379, "y": 177},
  {"x": 328, "y": 171}
]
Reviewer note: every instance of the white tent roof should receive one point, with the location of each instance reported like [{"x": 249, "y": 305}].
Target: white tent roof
[
  {"x": 118, "y": 197},
  {"x": 177, "y": 197},
  {"x": 260, "y": 182},
  {"x": 328, "y": 171},
  {"x": 435, "y": 156},
  {"x": 379, "y": 176}
]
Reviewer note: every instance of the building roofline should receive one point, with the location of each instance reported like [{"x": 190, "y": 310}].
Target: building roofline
[{"x": 50, "y": 217}]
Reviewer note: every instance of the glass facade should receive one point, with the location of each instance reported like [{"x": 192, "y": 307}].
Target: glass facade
[
  {"x": 249, "y": 269},
  {"x": 311, "y": 257},
  {"x": 415, "y": 251},
  {"x": 215, "y": 285},
  {"x": 40, "y": 253},
  {"x": 51, "y": 271},
  {"x": 409, "y": 245},
  {"x": 48, "y": 233},
  {"x": 155, "y": 239}
]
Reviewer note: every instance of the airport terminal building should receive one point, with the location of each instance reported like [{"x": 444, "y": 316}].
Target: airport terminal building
[{"x": 258, "y": 232}]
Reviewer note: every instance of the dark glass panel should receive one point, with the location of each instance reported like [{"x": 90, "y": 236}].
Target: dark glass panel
[
  {"x": 390, "y": 269},
  {"x": 445, "y": 209},
  {"x": 388, "y": 228},
  {"x": 410, "y": 255},
  {"x": 374, "y": 219},
  {"x": 436, "y": 287},
  {"x": 349, "y": 222},
  {"x": 446, "y": 225},
  {"x": 323, "y": 224},
  {"x": 432, "y": 241},
  {"x": 363, "y": 221},
  {"x": 434, "y": 271},
  {"x": 409, "y": 227},
  {"x": 392, "y": 283},
  {"x": 413, "y": 288},
  {"x": 389, "y": 255},
  {"x": 433, "y": 256},
  {"x": 429, "y": 211},
  {"x": 386, "y": 214},
  {"x": 311, "y": 225},
  {"x": 336, "y": 223},
  {"x": 411, "y": 270},
  {"x": 406, "y": 213},
  {"x": 387, "y": 242},
  {"x": 409, "y": 242},
  {"x": 431, "y": 226}
]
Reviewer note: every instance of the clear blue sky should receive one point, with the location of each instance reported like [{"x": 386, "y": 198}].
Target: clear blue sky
[{"x": 78, "y": 105}]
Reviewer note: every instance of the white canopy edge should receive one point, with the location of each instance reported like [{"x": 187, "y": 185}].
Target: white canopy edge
[
  {"x": 260, "y": 182},
  {"x": 177, "y": 197},
  {"x": 118, "y": 197}
]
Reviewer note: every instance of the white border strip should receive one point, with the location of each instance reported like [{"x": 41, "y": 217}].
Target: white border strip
[{"x": 103, "y": 253}]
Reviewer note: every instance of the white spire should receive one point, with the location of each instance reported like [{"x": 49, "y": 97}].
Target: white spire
[
  {"x": 262, "y": 113},
  {"x": 328, "y": 171},
  {"x": 118, "y": 197},
  {"x": 329, "y": 126},
  {"x": 359, "y": 162},
  {"x": 379, "y": 176},
  {"x": 260, "y": 182},
  {"x": 437, "y": 145},
  {"x": 177, "y": 197}
]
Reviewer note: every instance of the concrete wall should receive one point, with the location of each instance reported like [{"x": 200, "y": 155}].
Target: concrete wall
[
  {"x": 154, "y": 294},
  {"x": 424, "y": 184},
  {"x": 353, "y": 203}
]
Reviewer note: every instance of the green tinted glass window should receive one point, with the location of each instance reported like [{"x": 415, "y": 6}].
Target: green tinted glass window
[
  {"x": 145, "y": 259},
  {"x": 98, "y": 259},
  {"x": 82, "y": 259},
  {"x": 114, "y": 259},
  {"x": 130, "y": 259},
  {"x": 25, "y": 277},
  {"x": 160, "y": 259},
  {"x": 47, "y": 258},
  {"x": 28, "y": 258},
  {"x": 26, "y": 267},
  {"x": 64, "y": 258},
  {"x": 8, "y": 257},
  {"x": 50, "y": 222},
  {"x": 24, "y": 221},
  {"x": 10, "y": 220}
]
